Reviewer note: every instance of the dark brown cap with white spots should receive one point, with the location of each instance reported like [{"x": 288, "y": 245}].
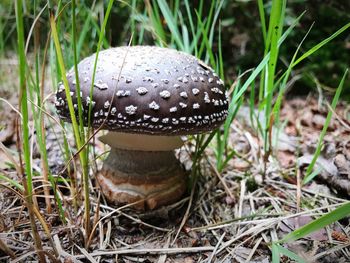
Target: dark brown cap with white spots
[{"x": 150, "y": 90}]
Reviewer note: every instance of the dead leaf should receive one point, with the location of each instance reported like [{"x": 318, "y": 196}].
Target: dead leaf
[
  {"x": 8, "y": 129},
  {"x": 342, "y": 164},
  {"x": 240, "y": 164},
  {"x": 326, "y": 165},
  {"x": 339, "y": 236},
  {"x": 286, "y": 159},
  {"x": 318, "y": 121}
]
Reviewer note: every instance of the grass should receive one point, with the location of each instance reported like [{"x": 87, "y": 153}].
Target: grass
[
  {"x": 326, "y": 219},
  {"x": 171, "y": 24},
  {"x": 26, "y": 172},
  {"x": 308, "y": 174}
]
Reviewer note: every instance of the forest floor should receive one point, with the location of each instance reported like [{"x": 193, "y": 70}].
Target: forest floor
[{"x": 228, "y": 217}]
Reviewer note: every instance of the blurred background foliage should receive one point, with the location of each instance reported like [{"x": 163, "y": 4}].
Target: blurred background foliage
[{"x": 242, "y": 40}]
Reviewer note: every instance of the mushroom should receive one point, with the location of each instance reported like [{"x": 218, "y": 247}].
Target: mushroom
[{"x": 147, "y": 97}]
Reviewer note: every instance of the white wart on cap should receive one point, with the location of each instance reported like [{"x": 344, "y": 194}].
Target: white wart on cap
[{"x": 156, "y": 91}]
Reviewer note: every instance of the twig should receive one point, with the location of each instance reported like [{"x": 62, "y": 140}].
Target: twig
[
  {"x": 241, "y": 197},
  {"x": 115, "y": 211},
  {"x": 216, "y": 248},
  {"x": 139, "y": 221},
  {"x": 6, "y": 249},
  {"x": 336, "y": 115},
  {"x": 291, "y": 186},
  {"x": 227, "y": 189},
  {"x": 328, "y": 252},
  {"x": 185, "y": 217},
  {"x": 12, "y": 107},
  {"x": 62, "y": 252},
  {"x": 253, "y": 250},
  {"x": 168, "y": 251},
  {"x": 298, "y": 192},
  {"x": 252, "y": 230},
  {"x": 87, "y": 254},
  {"x": 96, "y": 217},
  {"x": 163, "y": 257},
  {"x": 234, "y": 221}
]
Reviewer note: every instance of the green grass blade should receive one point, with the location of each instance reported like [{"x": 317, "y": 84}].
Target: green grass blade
[
  {"x": 132, "y": 21},
  {"x": 277, "y": 106},
  {"x": 312, "y": 175},
  {"x": 171, "y": 22},
  {"x": 275, "y": 253},
  {"x": 78, "y": 137},
  {"x": 316, "y": 47},
  {"x": 262, "y": 19},
  {"x": 99, "y": 44},
  {"x": 263, "y": 63},
  {"x": 321, "y": 44},
  {"x": 175, "y": 11},
  {"x": 185, "y": 35},
  {"x": 82, "y": 153},
  {"x": 276, "y": 23},
  {"x": 38, "y": 119},
  {"x": 251, "y": 78},
  {"x": 205, "y": 42},
  {"x": 156, "y": 20},
  {"x": 227, "y": 159},
  {"x": 218, "y": 8},
  {"x": 204, "y": 145},
  {"x": 23, "y": 102},
  {"x": 12, "y": 182},
  {"x": 142, "y": 32},
  {"x": 325, "y": 126},
  {"x": 203, "y": 25},
  {"x": 75, "y": 58},
  {"x": 220, "y": 63},
  {"x": 2, "y": 37},
  {"x": 290, "y": 254},
  {"x": 83, "y": 32},
  {"x": 318, "y": 224},
  {"x": 23, "y": 97},
  {"x": 193, "y": 31},
  {"x": 64, "y": 79},
  {"x": 222, "y": 142},
  {"x": 98, "y": 29}
]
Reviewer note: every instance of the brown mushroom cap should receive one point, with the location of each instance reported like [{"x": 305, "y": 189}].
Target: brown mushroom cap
[{"x": 148, "y": 90}]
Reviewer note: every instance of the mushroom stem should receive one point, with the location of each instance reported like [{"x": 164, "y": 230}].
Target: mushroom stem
[
  {"x": 141, "y": 142},
  {"x": 156, "y": 177}
]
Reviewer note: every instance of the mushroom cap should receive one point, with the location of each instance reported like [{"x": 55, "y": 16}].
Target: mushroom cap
[{"x": 148, "y": 90}]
